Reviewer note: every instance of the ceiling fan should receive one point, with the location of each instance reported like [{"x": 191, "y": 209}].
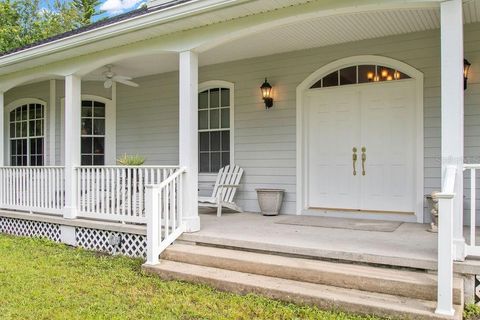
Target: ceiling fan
[{"x": 111, "y": 77}]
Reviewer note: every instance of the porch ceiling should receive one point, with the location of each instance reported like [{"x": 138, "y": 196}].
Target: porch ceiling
[
  {"x": 334, "y": 29},
  {"x": 310, "y": 33}
]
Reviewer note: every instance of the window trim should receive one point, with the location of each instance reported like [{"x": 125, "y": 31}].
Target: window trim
[
  {"x": 18, "y": 103},
  {"x": 110, "y": 128},
  {"x": 212, "y": 84}
]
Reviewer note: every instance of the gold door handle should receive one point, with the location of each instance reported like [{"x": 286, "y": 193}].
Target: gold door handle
[
  {"x": 354, "y": 160},
  {"x": 364, "y": 159}
]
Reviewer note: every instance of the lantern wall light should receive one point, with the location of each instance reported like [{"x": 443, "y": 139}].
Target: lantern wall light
[
  {"x": 267, "y": 94},
  {"x": 466, "y": 69}
]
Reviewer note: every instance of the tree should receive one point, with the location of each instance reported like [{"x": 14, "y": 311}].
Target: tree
[
  {"x": 87, "y": 9},
  {"x": 24, "y": 21}
]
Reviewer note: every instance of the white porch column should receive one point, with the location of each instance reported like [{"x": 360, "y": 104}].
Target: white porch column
[
  {"x": 2, "y": 130},
  {"x": 51, "y": 122},
  {"x": 452, "y": 109},
  {"x": 72, "y": 142},
  {"x": 188, "y": 137}
]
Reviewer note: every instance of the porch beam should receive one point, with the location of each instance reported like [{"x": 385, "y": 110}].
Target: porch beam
[
  {"x": 188, "y": 136},
  {"x": 72, "y": 142},
  {"x": 2, "y": 129},
  {"x": 452, "y": 110}
]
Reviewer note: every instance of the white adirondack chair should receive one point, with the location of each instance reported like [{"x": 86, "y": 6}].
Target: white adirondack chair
[{"x": 226, "y": 186}]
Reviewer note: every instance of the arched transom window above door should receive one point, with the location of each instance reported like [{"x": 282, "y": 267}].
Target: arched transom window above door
[
  {"x": 27, "y": 135},
  {"x": 357, "y": 74}
]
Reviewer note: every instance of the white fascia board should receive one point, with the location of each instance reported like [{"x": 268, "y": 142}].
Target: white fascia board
[{"x": 158, "y": 17}]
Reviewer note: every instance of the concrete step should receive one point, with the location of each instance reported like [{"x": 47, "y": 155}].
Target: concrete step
[
  {"x": 410, "y": 284},
  {"x": 325, "y": 297}
]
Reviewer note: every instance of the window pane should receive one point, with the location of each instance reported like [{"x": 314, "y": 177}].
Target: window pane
[
  {"x": 18, "y": 129},
  {"x": 24, "y": 146},
  {"x": 225, "y": 97},
  {"x": 215, "y": 162},
  {"x": 87, "y": 103},
  {"x": 225, "y": 140},
  {"x": 225, "y": 159},
  {"x": 214, "y": 98},
  {"x": 40, "y": 146},
  {"x": 38, "y": 128},
  {"x": 98, "y": 160},
  {"x": 32, "y": 111},
  {"x": 39, "y": 111},
  {"x": 18, "y": 114},
  {"x": 24, "y": 160},
  {"x": 86, "y": 126},
  {"x": 33, "y": 146},
  {"x": 98, "y": 109},
  {"x": 385, "y": 73},
  {"x": 13, "y": 161},
  {"x": 204, "y": 162},
  {"x": 215, "y": 141},
  {"x": 39, "y": 160},
  {"x": 12, "y": 115},
  {"x": 366, "y": 73},
  {"x": 204, "y": 141},
  {"x": 225, "y": 118},
  {"x": 214, "y": 119},
  {"x": 87, "y": 111},
  {"x": 33, "y": 160},
  {"x": 24, "y": 112},
  {"x": 203, "y": 100},
  {"x": 331, "y": 80},
  {"x": 13, "y": 147},
  {"x": 98, "y": 145},
  {"x": 348, "y": 75},
  {"x": 87, "y": 145},
  {"x": 99, "y": 126},
  {"x": 86, "y": 160},
  {"x": 12, "y": 130},
  {"x": 203, "y": 120}
]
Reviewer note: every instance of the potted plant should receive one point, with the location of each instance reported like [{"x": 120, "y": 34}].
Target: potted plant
[{"x": 132, "y": 161}]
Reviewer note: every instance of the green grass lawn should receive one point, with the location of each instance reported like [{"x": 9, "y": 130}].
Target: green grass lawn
[{"x": 43, "y": 280}]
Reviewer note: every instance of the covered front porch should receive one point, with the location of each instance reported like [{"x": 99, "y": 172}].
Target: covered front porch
[{"x": 167, "y": 117}]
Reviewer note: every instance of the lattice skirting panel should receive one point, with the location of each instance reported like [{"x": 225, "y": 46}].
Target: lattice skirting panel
[
  {"x": 128, "y": 244},
  {"x": 28, "y": 228}
]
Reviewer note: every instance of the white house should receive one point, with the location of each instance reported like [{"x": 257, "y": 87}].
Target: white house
[{"x": 375, "y": 105}]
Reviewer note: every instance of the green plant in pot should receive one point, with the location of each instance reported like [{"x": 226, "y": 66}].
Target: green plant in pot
[{"x": 132, "y": 161}]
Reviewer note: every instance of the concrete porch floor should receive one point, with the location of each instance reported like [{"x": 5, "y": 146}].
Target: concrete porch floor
[{"x": 410, "y": 245}]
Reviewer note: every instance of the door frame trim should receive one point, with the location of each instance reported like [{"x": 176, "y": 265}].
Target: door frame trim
[{"x": 302, "y": 88}]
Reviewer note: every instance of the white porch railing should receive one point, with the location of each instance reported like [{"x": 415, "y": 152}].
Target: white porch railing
[
  {"x": 471, "y": 248},
  {"x": 445, "y": 243},
  {"x": 164, "y": 215},
  {"x": 117, "y": 193},
  {"x": 35, "y": 189}
]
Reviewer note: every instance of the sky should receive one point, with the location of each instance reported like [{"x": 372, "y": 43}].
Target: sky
[{"x": 111, "y": 7}]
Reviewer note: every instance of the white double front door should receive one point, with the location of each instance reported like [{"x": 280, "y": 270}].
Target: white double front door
[{"x": 360, "y": 143}]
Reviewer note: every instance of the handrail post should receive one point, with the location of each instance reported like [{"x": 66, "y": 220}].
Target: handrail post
[
  {"x": 153, "y": 224},
  {"x": 445, "y": 244}
]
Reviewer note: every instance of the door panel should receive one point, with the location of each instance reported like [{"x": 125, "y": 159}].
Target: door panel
[
  {"x": 388, "y": 134},
  {"x": 333, "y": 132}
]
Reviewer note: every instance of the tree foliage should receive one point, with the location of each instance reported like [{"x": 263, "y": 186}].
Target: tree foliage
[
  {"x": 87, "y": 9},
  {"x": 23, "y": 22}
]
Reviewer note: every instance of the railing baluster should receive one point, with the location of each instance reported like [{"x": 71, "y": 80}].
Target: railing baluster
[{"x": 472, "y": 206}]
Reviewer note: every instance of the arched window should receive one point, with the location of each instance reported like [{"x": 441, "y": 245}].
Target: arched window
[
  {"x": 359, "y": 74},
  {"x": 27, "y": 135},
  {"x": 215, "y": 123}
]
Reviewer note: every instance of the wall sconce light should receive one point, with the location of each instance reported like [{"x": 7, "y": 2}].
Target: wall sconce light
[
  {"x": 466, "y": 68},
  {"x": 267, "y": 94}
]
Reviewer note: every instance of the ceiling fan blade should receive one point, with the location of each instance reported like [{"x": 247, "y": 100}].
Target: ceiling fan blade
[
  {"x": 127, "y": 82},
  {"x": 119, "y": 77},
  {"x": 108, "y": 83}
]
